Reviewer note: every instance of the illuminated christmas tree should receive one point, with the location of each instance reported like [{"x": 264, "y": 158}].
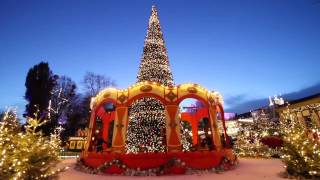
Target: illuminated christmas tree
[
  {"x": 29, "y": 154},
  {"x": 154, "y": 62},
  {"x": 301, "y": 149},
  {"x": 8, "y": 129},
  {"x": 146, "y": 129},
  {"x": 186, "y": 135},
  {"x": 249, "y": 136}
]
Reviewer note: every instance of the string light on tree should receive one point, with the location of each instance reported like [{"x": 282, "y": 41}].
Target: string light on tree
[
  {"x": 146, "y": 129},
  {"x": 301, "y": 150},
  {"x": 249, "y": 136},
  {"x": 186, "y": 135},
  {"x": 28, "y": 154}
]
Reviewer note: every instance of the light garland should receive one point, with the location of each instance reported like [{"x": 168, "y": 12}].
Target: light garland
[
  {"x": 301, "y": 151},
  {"x": 154, "y": 64},
  {"x": 146, "y": 129},
  {"x": 225, "y": 164},
  {"x": 249, "y": 137},
  {"x": 186, "y": 136},
  {"x": 27, "y": 155}
]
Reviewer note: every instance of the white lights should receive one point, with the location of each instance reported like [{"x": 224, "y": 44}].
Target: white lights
[{"x": 146, "y": 129}]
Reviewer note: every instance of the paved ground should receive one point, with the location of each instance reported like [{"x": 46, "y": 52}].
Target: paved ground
[{"x": 248, "y": 169}]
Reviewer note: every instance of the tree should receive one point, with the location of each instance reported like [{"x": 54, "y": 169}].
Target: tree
[
  {"x": 78, "y": 115},
  {"x": 146, "y": 129},
  {"x": 28, "y": 154},
  {"x": 186, "y": 135},
  {"x": 39, "y": 84},
  {"x": 94, "y": 83},
  {"x": 62, "y": 96},
  {"x": 249, "y": 136},
  {"x": 8, "y": 128},
  {"x": 2, "y": 113},
  {"x": 301, "y": 136},
  {"x": 80, "y": 108}
]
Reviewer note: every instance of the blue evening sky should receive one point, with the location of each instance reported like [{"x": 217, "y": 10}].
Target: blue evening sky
[{"x": 245, "y": 49}]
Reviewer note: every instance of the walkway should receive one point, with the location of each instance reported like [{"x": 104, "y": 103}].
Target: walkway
[{"x": 248, "y": 169}]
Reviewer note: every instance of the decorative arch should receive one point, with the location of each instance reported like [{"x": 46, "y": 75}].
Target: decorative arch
[
  {"x": 105, "y": 117},
  {"x": 170, "y": 96},
  {"x": 194, "y": 119},
  {"x": 221, "y": 110},
  {"x": 194, "y": 96},
  {"x": 143, "y": 95}
]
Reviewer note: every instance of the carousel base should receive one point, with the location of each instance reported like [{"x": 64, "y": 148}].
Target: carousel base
[{"x": 146, "y": 164}]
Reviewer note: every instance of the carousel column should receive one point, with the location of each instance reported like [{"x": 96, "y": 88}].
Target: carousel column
[
  {"x": 194, "y": 125},
  {"x": 173, "y": 128},
  {"x": 88, "y": 145},
  {"x": 121, "y": 119},
  {"x": 214, "y": 127},
  {"x": 109, "y": 117}
]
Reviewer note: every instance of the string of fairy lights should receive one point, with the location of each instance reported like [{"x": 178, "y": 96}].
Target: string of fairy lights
[
  {"x": 186, "y": 136},
  {"x": 301, "y": 150},
  {"x": 146, "y": 128},
  {"x": 154, "y": 62},
  {"x": 27, "y": 154},
  {"x": 249, "y": 137}
]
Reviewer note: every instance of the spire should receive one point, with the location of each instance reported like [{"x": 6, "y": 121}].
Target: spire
[{"x": 154, "y": 64}]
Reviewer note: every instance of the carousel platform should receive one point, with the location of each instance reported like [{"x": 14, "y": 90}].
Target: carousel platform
[{"x": 156, "y": 163}]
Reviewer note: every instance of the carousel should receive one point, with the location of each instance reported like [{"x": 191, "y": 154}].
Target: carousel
[
  {"x": 109, "y": 122},
  {"x": 138, "y": 130}
]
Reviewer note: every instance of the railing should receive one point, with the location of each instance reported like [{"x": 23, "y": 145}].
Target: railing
[{"x": 68, "y": 154}]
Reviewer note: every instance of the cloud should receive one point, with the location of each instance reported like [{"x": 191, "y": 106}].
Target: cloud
[
  {"x": 246, "y": 106},
  {"x": 314, "y": 89},
  {"x": 233, "y": 100}
]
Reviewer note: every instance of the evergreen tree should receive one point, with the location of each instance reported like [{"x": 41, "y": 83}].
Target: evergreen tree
[
  {"x": 2, "y": 113},
  {"x": 146, "y": 129},
  {"x": 249, "y": 136},
  {"x": 39, "y": 84},
  {"x": 27, "y": 155},
  {"x": 186, "y": 135},
  {"x": 8, "y": 129},
  {"x": 301, "y": 149}
]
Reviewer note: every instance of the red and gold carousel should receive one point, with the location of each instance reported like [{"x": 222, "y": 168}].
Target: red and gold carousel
[
  {"x": 108, "y": 143},
  {"x": 109, "y": 121}
]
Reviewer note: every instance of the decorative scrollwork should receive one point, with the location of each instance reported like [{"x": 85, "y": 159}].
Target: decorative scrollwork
[
  {"x": 171, "y": 96},
  {"x": 146, "y": 88},
  {"x": 192, "y": 90},
  {"x": 122, "y": 98}
]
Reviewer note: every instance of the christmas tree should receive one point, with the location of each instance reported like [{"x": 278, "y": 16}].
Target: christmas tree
[
  {"x": 186, "y": 135},
  {"x": 146, "y": 129},
  {"x": 8, "y": 129},
  {"x": 301, "y": 150},
  {"x": 249, "y": 136},
  {"x": 29, "y": 154}
]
